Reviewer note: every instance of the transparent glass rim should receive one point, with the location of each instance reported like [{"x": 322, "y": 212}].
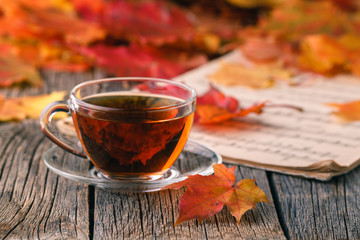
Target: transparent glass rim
[{"x": 82, "y": 103}]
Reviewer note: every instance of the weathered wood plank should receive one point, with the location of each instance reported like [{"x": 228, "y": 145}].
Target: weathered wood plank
[
  {"x": 152, "y": 215},
  {"x": 324, "y": 210},
  {"x": 351, "y": 193},
  {"x": 36, "y": 203}
]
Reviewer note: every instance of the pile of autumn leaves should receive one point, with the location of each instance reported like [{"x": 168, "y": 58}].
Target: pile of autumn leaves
[
  {"x": 298, "y": 36},
  {"x": 161, "y": 39},
  {"x": 316, "y": 36},
  {"x": 125, "y": 38}
]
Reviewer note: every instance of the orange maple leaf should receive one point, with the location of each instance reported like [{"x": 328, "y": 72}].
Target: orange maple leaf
[
  {"x": 206, "y": 195},
  {"x": 215, "y": 107},
  {"x": 43, "y": 54},
  {"x": 311, "y": 34},
  {"x": 351, "y": 42},
  {"x": 322, "y": 54},
  {"x": 214, "y": 114},
  {"x": 14, "y": 71},
  {"x": 349, "y": 111},
  {"x": 23, "y": 20}
]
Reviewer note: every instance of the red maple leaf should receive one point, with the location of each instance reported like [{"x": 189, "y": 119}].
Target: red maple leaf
[
  {"x": 214, "y": 107},
  {"x": 133, "y": 60},
  {"x": 215, "y": 97},
  {"x": 155, "y": 22},
  {"x": 206, "y": 195}
]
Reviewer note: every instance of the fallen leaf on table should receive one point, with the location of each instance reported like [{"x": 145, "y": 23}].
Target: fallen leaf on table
[
  {"x": 296, "y": 19},
  {"x": 55, "y": 29},
  {"x": 354, "y": 66},
  {"x": 15, "y": 71},
  {"x": 61, "y": 58},
  {"x": 257, "y": 76},
  {"x": 206, "y": 195},
  {"x": 311, "y": 33},
  {"x": 255, "y": 3},
  {"x": 351, "y": 42},
  {"x": 64, "y": 5},
  {"x": 155, "y": 22},
  {"x": 25, "y": 20},
  {"x": 10, "y": 111},
  {"x": 45, "y": 55},
  {"x": 214, "y": 107},
  {"x": 261, "y": 50},
  {"x": 26, "y": 107},
  {"x": 322, "y": 54},
  {"x": 215, "y": 97},
  {"x": 347, "y": 5},
  {"x": 206, "y": 114},
  {"x": 135, "y": 60},
  {"x": 89, "y": 10},
  {"x": 347, "y": 111}
]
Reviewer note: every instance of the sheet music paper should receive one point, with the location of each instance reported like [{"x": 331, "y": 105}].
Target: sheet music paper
[{"x": 312, "y": 143}]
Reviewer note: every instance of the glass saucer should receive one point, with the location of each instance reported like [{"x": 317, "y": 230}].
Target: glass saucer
[{"x": 194, "y": 159}]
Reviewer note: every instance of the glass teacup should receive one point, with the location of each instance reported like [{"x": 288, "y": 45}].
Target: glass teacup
[{"x": 129, "y": 128}]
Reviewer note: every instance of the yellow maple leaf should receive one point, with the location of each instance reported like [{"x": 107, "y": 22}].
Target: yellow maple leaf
[
  {"x": 258, "y": 76},
  {"x": 26, "y": 107}
]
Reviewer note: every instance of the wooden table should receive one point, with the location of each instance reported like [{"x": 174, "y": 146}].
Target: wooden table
[{"x": 35, "y": 203}]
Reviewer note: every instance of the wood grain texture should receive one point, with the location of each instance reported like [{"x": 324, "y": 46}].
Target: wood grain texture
[
  {"x": 34, "y": 202},
  {"x": 324, "y": 210},
  {"x": 37, "y": 204},
  {"x": 152, "y": 216}
]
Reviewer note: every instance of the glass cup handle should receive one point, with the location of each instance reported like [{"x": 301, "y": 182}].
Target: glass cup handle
[{"x": 45, "y": 119}]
